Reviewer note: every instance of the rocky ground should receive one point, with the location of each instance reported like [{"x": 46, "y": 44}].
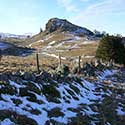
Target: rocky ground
[{"x": 63, "y": 98}]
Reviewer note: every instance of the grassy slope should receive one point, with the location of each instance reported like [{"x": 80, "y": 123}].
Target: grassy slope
[{"x": 29, "y": 62}]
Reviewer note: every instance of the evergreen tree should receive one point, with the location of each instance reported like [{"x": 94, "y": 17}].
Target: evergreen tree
[{"x": 111, "y": 48}]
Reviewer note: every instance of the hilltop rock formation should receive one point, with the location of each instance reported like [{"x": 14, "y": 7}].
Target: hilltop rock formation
[{"x": 61, "y": 25}]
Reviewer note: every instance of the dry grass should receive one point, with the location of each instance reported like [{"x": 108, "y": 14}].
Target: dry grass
[
  {"x": 49, "y": 38},
  {"x": 9, "y": 63},
  {"x": 12, "y": 63},
  {"x": 87, "y": 49}
]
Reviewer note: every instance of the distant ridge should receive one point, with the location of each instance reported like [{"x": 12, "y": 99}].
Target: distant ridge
[{"x": 9, "y": 35}]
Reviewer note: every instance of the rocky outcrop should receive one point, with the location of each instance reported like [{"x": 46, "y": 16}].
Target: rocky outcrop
[{"x": 56, "y": 24}]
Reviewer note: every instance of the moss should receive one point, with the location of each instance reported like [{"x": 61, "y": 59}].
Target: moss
[
  {"x": 17, "y": 118},
  {"x": 30, "y": 96},
  {"x": 76, "y": 110},
  {"x": 8, "y": 89},
  {"x": 70, "y": 92},
  {"x": 75, "y": 89},
  {"x": 69, "y": 97},
  {"x": 55, "y": 113},
  {"x": 16, "y": 101},
  {"x": 56, "y": 100},
  {"x": 76, "y": 98},
  {"x": 23, "y": 120},
  {"x": 64, "y": 97},
  {"x": 77, "y": 80},
  {"x": 39, "y": 101},
  {"x": 50, "y": 90},
  {"x": 24, "y": 92},
  {"x": 80, "y": 120},
  {"x": 53, "y": 122},
  {"x": 67, "y": 101},
  {"x": 4, "y": 114},
  {"x": 35, "y": 112},
  {"x": 34, "y": 88}
]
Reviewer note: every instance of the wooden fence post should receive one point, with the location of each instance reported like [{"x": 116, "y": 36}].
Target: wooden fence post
[
  {"x": 37, "y": 62},
  {"x": 79, "y": 64},
  {"x": 59, "y": 59}
]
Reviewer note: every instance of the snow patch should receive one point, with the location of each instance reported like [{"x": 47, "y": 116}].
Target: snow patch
[
  {"x": 120, "y": 111},
  {"x": 4, "y": 46},
  {"x": 53, "y": 55},
  {"x": 51, "y": 43},
  {"x": 7, "y": 122}
]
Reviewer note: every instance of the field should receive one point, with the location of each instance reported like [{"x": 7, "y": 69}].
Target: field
[{"x": 49, "y": 58}]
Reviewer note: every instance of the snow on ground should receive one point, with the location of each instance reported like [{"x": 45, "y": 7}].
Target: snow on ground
[
  {"x": 6, "y": 122},
  {"x": 49, "y": 47},
  {"x": 51, "y": 43},
  {"x": 40, "y": 41},
  {"x": 53, "y": 55},
  {"x": 87, "y": 42},
  {"x": 89, "y": 57},
  {"x": 76, "y": 46},
  {"x": 77, "y": 38},
  {"x": 106, "y": 73},
  {"x": 4, "y": 46},
  {"x": 87, "y": 96},
  {"x": 50, "y": 105},
  {"x": 15, "y": 84},
  {"x": 59, "y": 45},
  {"x": 120, "y": 111}
]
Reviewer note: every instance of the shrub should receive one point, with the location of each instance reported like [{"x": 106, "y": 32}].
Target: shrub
[{"x": 111, "y": 48}]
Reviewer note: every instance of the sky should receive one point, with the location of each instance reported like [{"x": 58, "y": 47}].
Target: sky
[{"x": 27, "y": 16}]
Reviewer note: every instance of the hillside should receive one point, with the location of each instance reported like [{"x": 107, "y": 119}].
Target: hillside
[
  {"x": 59, "y": 36},
  {"x": 56, "y": 25},
  {"x": 60, "y": 30},
  {"x": 45, "y": 98},
  {"x": 62, "y": 36}
]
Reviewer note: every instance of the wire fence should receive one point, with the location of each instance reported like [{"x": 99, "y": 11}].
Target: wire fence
[{"x": 40, "y": 60}]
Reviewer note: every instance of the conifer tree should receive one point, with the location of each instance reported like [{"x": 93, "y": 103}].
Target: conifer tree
[{"x": 111, "y": 48}]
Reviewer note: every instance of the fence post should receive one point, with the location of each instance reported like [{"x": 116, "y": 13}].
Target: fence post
[
  {"x": 79, "y": 64},
  {"x": 59, "y": 59},
  {"x": 37, "y": 62}
]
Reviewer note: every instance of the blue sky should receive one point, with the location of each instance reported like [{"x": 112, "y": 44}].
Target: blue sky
[{"x": 24, "y": 16}]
